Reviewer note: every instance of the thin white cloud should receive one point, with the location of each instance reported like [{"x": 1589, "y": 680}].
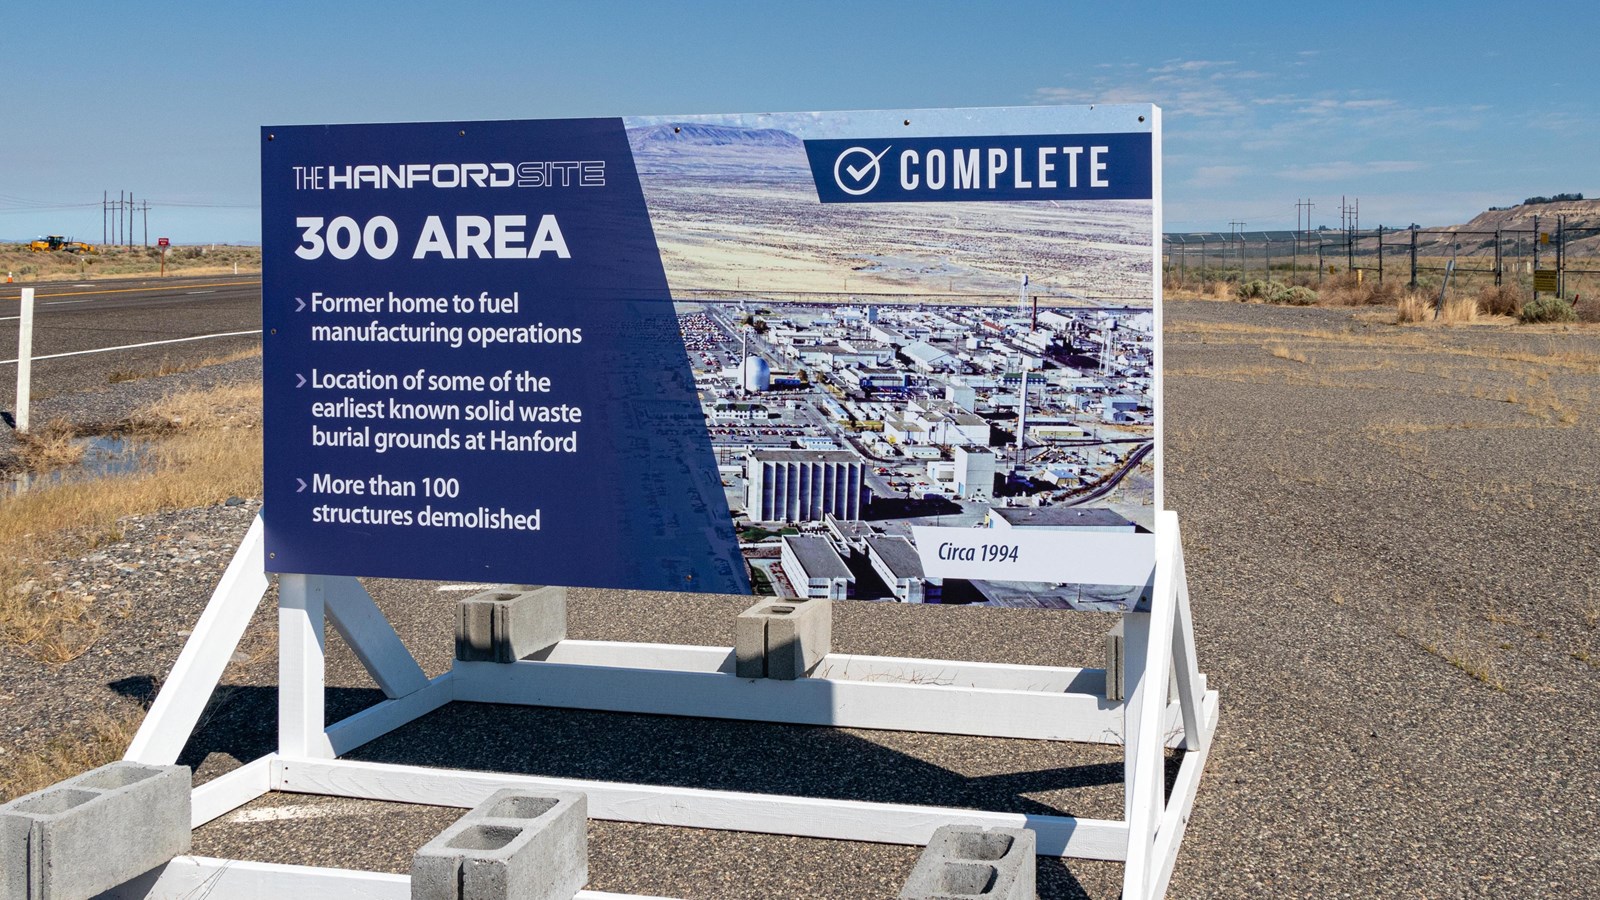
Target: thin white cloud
[
  {"x": 1189, "y": 65},
  {"x": 1225, "y": 120},
  {"x": 1208, "y": 89},
  {"x": 1217, "y": 176},
  {"x": 1343, "y": 170},
  {"x": 1328, "y": 105}
]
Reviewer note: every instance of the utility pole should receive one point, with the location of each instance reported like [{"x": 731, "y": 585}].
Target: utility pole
[
  {"x": 1561, "y": 256},
  {"x": 1414, "y": 255},
  {"x": 1535, "y": 257},
  {"x": 1357, "y": 215},
  {"x": 1236, "y": 234},
  {"x": 1307, "y": 205},
  {"x": 1349, "y": 220},
  {"x": 1380, "y": 254},
  {"x": 1300, "y": 230}
]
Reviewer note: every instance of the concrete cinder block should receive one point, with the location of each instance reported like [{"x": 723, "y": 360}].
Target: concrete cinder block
[
  {"x": 969, "y": 861},
  {"x": 516, "y": 845},
  {"x": 14, "y": 832},
  {"x": 510, "y": 623},
  {"x": 1114, "y": 655},
  {"x": 91, "y": 833},
  {"x": 782, "y": 638},
  {"x": 1116, "y": 667},
  {"x": 750, "y": 643}
]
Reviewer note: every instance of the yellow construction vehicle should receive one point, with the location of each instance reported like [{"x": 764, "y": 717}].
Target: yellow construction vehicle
[{"x": 57, "y": 242}]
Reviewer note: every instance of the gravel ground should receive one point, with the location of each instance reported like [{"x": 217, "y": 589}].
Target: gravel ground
[{"x": 1390, "y": 537}]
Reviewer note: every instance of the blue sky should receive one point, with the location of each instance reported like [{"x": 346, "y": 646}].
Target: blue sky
[{"x": 1427, "y": 112}]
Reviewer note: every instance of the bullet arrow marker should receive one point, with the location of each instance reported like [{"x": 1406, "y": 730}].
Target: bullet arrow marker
[
  {"x": 299, "y": 304},
  {"x": 302, "y": 380},
  {"x": 302, "y": 486}
]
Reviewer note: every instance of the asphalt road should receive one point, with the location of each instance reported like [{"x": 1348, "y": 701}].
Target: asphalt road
[{"x": 76, "y": 316}]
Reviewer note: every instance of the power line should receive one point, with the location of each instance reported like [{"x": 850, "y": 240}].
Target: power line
[
  {"x": 156, "y": 204},
  {"x": 12, "y": 203}
]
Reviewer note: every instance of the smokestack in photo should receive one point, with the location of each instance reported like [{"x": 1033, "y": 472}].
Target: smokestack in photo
[{"x": 1022, "y": 416}]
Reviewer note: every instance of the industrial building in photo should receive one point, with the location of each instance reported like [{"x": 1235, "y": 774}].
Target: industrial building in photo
[
  {"x": 1060, "y": 518},
  {"x": 838, "y": 427},
  {"x": 895, "y": 560},
  {"x": 815, "y": 569},
  {"x": 804, "y": 485}
]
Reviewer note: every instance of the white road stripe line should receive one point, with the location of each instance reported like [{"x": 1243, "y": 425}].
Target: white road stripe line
[
  {"x": 61, "y": 302},
  {"x": 443, "y": 588},
  {"x": 199, "y": 337},
  {"x": 199, "y": 292}
]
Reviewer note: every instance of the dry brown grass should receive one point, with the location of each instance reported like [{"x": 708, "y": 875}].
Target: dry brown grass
[
  {"x": 230, "y": 406},
  {"x": 1459, "y": 311},
  {"x": 120, "y": 262},
  {"x": 1466, "y": 655},
  {"x": 1412, "y": 308},
  {"x": 1282, "y": 352},
  {"x": 1199, "y": 290},
  {"x": 1500, "y": 301},
  {"x": 1347, "y": 290},
  {"x": 208, "y": 448},
  {"x": 106, "y": 739},
  {"x": 55, "y": 446},
  {"x": 174, "y": 366}
]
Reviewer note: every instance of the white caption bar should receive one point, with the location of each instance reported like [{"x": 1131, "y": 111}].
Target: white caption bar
[{"x": 1058, "y": 557}]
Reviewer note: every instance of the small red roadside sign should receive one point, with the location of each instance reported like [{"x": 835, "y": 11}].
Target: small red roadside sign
[{"x": 163, "y": 242}]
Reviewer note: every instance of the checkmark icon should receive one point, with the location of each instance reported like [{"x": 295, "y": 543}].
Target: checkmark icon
[
  {"x": 860, "y": 172},
  {"x": 863, "y": 175}
]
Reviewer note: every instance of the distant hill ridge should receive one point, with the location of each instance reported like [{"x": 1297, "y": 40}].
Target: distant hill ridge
[
  {"x": 704, "y": 135},
  {"x": 1581, "y": 214}
]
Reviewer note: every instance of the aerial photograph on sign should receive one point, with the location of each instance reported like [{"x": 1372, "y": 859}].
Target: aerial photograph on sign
[{"x": 866, "y": 369}]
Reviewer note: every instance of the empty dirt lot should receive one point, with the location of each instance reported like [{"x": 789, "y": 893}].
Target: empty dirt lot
[{"x": 1391, "y": 536}]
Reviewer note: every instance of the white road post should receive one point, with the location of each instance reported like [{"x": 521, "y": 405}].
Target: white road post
[{"x": 24, "y": 359}]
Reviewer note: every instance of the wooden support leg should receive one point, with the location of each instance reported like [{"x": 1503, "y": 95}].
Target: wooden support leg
[
  {"x": 187, "y": 690},
  {"x": 1149, "y": 669},
  {"x": 1185, "y": 666},
  {"x": 301, "y": 668},
  {"x": 368, "y": 632}
]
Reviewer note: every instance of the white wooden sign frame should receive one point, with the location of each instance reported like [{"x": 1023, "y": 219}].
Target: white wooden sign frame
[{"x": 1167, "y": 704}]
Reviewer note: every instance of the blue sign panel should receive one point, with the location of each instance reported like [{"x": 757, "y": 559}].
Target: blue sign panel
[
  {"x": 475, "y": 366},
  {"x": 710, "y": 354},
  {"x": 986, "y": 167}
]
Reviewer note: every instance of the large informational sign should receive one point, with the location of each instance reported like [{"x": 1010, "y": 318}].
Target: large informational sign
[{"x": 897, "y": 355}]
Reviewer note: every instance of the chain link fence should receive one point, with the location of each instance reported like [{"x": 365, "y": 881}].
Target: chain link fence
[{"x": 1564, "y": 261}]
